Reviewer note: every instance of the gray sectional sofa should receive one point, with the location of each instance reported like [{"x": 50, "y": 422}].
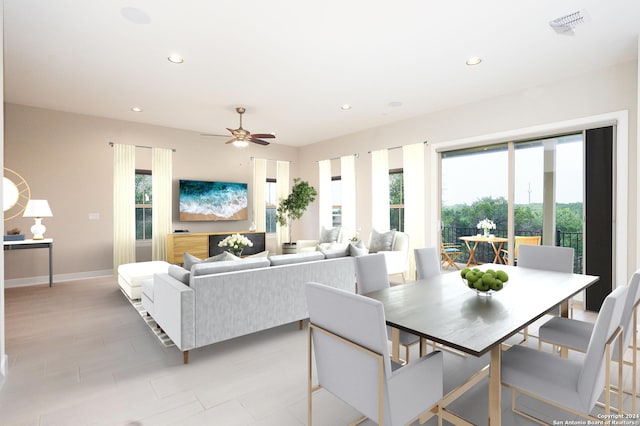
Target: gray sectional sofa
[{"x": 221, "y": 300}]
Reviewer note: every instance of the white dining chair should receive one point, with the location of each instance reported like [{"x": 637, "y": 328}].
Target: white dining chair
[
  {"x": 348, "y": 337},
  {"x": 371, "y": 275},
  {"x": 574, "y": 334},
  {"x": 573, "y": 385},
  {"x": 548, "y": 258},
  {"x": 427, "y": 262}
]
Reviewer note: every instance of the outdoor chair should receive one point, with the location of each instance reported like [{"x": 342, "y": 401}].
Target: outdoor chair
[
  {"x": 450, "y": 253},
  {"x": 532, "y": 240},
  {"x": 574, "y": 334},
  {"x": 573, "y": 385},
  {"x": 348, "y": 337},
  {"x": 371, "y": 275}
]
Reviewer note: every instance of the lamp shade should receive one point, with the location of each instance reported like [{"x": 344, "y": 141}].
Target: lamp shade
[{"x": 37, "y": 208}]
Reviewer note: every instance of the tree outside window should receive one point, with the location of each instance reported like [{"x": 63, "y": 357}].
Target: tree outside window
[
  {"x": 336, "y": 201},
  {"x": 396, "y": 199},
  {"x": 271, "y": 205},
  {"x": 143, "y": 205}
]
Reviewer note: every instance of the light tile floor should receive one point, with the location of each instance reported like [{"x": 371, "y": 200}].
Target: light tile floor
[{"x": 79, "y": 354}]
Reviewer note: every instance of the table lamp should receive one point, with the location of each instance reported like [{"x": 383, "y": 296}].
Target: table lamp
[{"x": 38, "y": 209}]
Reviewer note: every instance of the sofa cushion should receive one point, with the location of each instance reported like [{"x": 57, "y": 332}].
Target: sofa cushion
[
  {"x": 381, "y": 241},
  {"x": 329, "y": 235},
  {"x": 357, "y": 249},
  {"x": 229, "y": 266},
  {"x": 179, "y": 273},
  {"x": 286, "y": 259},
  {"x": 334, "y": 250},
  {"x": 189, "y": 260}
]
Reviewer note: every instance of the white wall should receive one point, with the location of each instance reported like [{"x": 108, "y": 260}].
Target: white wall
[
  {"x": 591, "y": 94},
  {"x": 3, "y": 355}
]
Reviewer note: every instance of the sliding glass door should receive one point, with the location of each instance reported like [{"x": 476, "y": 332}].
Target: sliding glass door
[{"x": 547, "y": 202}]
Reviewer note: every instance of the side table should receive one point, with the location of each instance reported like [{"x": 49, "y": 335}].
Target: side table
[{"x": 33, "y": 244}]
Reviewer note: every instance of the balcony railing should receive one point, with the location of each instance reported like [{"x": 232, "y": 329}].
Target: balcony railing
[{"x": 484, "y": 252}]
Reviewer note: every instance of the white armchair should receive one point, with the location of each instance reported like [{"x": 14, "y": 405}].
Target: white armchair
[
  {"x": 327, "y": 236},
  {"x": 397, "y": 257},
  {"x": 349, "y": 339}
]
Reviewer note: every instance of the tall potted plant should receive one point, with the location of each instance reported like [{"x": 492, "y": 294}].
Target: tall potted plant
[{"x": 293, "y": 207}]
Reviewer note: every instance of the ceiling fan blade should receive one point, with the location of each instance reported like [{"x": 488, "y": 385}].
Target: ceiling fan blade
[
  {"x": 259, "y": 141},
  {"x": 263, "y": 135},
  {"x": 232, "y": 131},
  {"x": 230, "y": 141}
]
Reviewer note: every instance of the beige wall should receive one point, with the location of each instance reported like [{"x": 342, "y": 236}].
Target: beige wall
[
  {"x": 590, "y": 94},
  {"x": 66, "y": 159}
]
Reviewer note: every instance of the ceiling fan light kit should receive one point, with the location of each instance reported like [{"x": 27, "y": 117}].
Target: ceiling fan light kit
[{"x": 242, "y": 137}]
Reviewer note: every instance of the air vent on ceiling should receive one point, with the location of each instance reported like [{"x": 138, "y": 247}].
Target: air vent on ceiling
[{"x": 566, "y": 24}]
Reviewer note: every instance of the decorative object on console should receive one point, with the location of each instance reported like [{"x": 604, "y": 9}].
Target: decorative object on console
[
  {"x": 293, "y": 207},
  {"x": 15, "y": 194},
  {"x": 206, "y": 201},
  {"x": 38, "y": 209},
  {"x": 14, "y": 235},
  {"x": 235, "y": 243}
]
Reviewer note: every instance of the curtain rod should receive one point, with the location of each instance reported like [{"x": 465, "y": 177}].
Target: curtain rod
[
  {"x": 397, "y": 147},
  {"x": 142, "y": 146},
  {"x": 337, "y": 158},
  {"x": 269, "y": 159}
]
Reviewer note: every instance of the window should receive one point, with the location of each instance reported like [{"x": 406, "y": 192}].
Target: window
[
  {"x": 336, "y": 201},
  {"x": 396, "y": 199},
  {"x": 143, "y": 205},
  {"x": 272, "y": 204}
]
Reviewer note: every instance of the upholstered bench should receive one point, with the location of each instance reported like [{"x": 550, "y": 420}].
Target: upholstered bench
[{"x": 131, "y": 276}]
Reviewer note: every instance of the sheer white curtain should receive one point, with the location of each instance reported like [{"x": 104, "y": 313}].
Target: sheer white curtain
[
  {"x": 259, "y": 198},
  {"x": 161, "y": 177},
  {"x": 124, "y": 219},
  {"x": 325, "y": 199},
  {"x": 380, "y": 218},
  {"x": 282, "y": 191},
  {"x": 348, "y": 186},
  {"x": 414, "y": 202}
]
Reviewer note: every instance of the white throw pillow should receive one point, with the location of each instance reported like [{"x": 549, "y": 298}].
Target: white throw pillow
[{"x": 381, "y": 241}]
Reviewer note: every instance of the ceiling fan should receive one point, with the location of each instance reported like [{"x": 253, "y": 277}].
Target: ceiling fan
[{"x": 242, "y": 137}]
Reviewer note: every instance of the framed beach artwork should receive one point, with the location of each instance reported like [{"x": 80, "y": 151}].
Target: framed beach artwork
[{"x": 211, "y": 201}]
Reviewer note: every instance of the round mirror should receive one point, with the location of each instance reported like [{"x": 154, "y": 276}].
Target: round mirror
[{"x": 16, "y": 194}]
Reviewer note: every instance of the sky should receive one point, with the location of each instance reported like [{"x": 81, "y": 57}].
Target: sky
[{"x": 467, "y": 178}]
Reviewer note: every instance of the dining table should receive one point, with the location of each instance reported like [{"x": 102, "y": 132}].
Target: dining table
[
  {"x": 443, "y": 309},
  {"x": 472, "y": 242}
]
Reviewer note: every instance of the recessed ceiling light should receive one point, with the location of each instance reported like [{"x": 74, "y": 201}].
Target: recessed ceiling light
[
  {"x": 176, "y": 59},
  {"x": 395, "y": 104},
  {"x": 473, "y": 60},
  {"x": 345, "y": 107},
  {"x": 136, "y": 109}
]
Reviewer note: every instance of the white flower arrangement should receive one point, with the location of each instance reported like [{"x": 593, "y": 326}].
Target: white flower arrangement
[
  {"x": 486, "y": 224},
  {"x": 235, "y": 243}
]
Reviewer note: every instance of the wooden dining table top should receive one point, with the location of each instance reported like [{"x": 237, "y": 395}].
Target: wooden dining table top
[{"x": 444, "y": 309}]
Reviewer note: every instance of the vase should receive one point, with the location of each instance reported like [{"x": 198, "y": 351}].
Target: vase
[
  {"x": 486, "y": 232},
  {"x": 236, "y": 252}
]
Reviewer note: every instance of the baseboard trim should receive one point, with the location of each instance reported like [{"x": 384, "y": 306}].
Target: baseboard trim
[{"x": 44, "y": 279}]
